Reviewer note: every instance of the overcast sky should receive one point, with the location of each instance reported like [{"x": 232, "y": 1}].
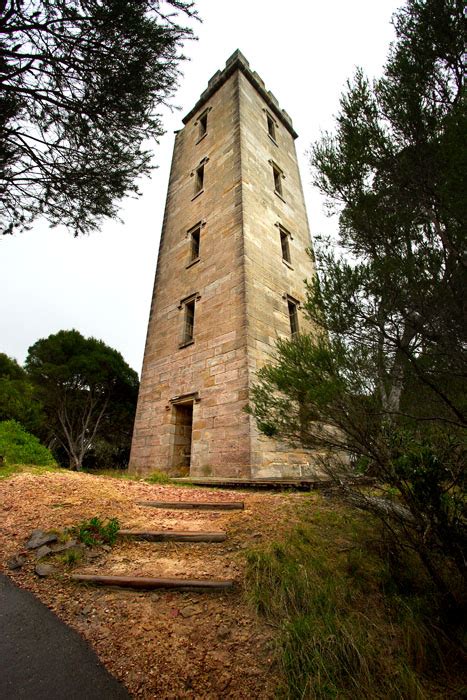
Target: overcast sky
[{"x": 101, "y": 284}]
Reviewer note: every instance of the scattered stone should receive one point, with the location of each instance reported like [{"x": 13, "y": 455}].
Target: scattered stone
[
  {"x": 63, "y": 546},
  {"x": 257, "y": 534},
  {"x": 40, "y": 537},
  {"x": 106, "y": 548},
  {"x": 190, "y": 610},
  {"x": 16, "y": 562},
  {"x": 43, "y": 551},
  {"x": 93, "y": 554},
  {"x": 223, "y": 632},
  {"x": 44, "y": 570}
]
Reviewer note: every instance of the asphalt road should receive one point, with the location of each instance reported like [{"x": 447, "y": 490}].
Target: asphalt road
[{"x": 43, "y": 659}]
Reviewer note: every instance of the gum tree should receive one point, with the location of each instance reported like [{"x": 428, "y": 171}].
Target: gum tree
[{"x": 84, "y": 386}]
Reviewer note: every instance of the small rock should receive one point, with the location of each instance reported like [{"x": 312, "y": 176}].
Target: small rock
[
  {"x": 225, "y": 680},
  {"x": 93, "y": 554},
  {"x": 106, "y": 548},
  {"x": 223, "y": 632},
  {"x": 256, "y": 534},
  {"x": 44, "y": 570},
  {"x": 40, "y": 537},
  {"x": 190, "y": 610},
  {"x": 16, "y": 562},
  {"x": 43, "y": 551},
  {"x": 63, "y": 546}
]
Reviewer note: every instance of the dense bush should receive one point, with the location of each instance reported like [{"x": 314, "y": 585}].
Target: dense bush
[{"x": 17, "y": 446}]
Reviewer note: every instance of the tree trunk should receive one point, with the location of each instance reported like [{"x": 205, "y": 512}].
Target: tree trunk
[{"x": 74, "y": 463}]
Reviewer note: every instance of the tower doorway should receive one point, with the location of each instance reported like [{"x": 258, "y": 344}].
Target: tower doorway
[{"x": 183, "y": 414}]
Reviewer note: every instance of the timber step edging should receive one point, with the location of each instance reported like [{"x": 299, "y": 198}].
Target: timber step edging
[
  {"x": 173, "y": 536},
  {"x": 149, "y": 582},
  {"x": 194, "y": 505}
]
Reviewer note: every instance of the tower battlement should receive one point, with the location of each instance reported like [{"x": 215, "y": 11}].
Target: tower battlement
[{"x": 237, "y": 61}]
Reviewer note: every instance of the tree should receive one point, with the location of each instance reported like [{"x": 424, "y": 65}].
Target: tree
[
  {"x": 84, "y": 385},
  {"x": 81, "y": 81},
  {"x": 17, "y": 400},
  {"x": 382, "y": 379}
]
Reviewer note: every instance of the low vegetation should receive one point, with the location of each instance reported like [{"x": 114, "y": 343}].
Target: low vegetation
[
  {"x": 72, "y": 557},
  {"x": 96, "y": 532},
  {"x": 17, "y": 446},
  {"x": 158, "y": 477},
  {"x": 8, "y": 470},
  {"x": 350, "y": 623}
]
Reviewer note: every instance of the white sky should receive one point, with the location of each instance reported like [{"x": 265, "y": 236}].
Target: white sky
[{"x": 101, "y": 285}]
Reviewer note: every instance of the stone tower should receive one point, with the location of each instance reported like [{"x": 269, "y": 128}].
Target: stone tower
[{"x": 229, "y": 282}]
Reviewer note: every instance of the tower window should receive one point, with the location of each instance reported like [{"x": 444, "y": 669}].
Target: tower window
[
  {"x": 203, "y": 124},
  {"x": 278, "y": 175},
  {"x": 199, "y": 179},
  {"x": 271, "y": 127},
  {"x": 285, "y": 245},
  {"x": 188, "y": 322},
  {"x": 193, "y": 235},
  {"x": 195, "y": 239},
  {"x": 293, "y": 315}
]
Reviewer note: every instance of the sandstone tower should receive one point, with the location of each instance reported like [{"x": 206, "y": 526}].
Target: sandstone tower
[{"x": 229, "y": 282}]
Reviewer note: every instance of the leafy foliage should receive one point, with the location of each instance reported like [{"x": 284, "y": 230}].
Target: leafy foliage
[
  {"x": 95, "y": 532},
  {"x": 82, "y": 81},
  {"x": 380, "y": 384},
  {"x": 17, "y": 399},
  {"x": 87, "y": 389},
  {"x": 17, "y": 446}
]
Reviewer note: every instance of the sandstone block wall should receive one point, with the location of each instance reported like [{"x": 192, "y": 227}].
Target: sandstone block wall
[{"x": 239, "y": 285}]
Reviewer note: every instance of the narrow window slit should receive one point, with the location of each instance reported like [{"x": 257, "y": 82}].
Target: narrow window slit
[{"x": 293, "y": 316}]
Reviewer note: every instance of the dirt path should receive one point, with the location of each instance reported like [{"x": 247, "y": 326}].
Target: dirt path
[{"x": 163, "y": 644}]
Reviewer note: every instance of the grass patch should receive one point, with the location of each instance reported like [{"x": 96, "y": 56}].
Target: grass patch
[
  {"x": 158, "y": 477},
  {"x": 72, "y": 557},
  {"x": 344, "y": 628},
  {"x": 8, "y": 470},
  {"x": 113, "y": 474}
]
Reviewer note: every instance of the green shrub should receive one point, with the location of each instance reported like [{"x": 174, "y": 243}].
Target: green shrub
[
  {"x": 95, "y": 532},
  {"x": 17, "y": 446}
]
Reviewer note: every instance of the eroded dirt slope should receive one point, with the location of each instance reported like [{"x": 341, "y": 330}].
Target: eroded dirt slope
[{"x": 163, "y": 644}]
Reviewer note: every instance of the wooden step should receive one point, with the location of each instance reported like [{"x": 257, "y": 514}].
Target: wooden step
[
  {"x": 194, "y": 505},
  {"x": 148, "y": 582},
  {"x": 173, "y": 535}
]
